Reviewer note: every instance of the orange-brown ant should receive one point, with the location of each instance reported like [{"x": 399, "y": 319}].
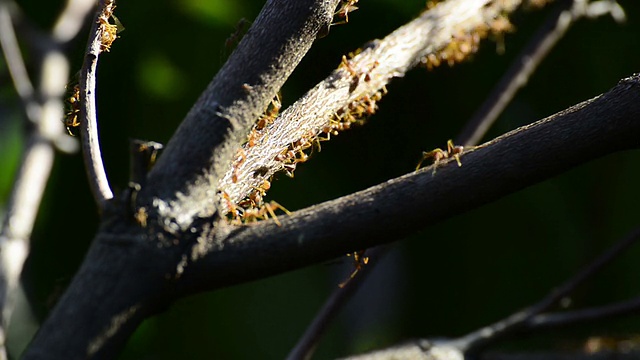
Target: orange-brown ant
[
  {"x": 242, "y": 158},
  {"x": 438, "y": 155},
  {"x": 72, "y": 104},
  {"x": 345, "y": 8},
  {"x": 270, "y": 114},
  {"x": 108, "y": 31},
  {"x": 359, "y": 261},
  {"x": 263, "y": 213},
  {"x": 235, "y": 216}
]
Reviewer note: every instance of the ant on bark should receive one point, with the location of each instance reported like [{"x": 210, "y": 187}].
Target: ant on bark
[{"x": 438, "y": 155}]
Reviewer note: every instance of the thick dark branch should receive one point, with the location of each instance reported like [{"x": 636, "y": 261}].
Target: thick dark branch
[
  {"x": 115, "y": 289},
  {"x": 202, "y": 147},
  {"x": 131, "y": 267},
  {"x": 309, "y": 340},
  {"x": 401, "y": 206}
]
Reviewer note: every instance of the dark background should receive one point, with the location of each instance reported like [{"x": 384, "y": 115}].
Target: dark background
[{"x": 445, "y": 281}]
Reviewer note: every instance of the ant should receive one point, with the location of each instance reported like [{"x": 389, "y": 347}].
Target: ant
[
  {"x": 72, "y": 103},
  {"x": 359, "y": 261},
  {"x": 109, "y": 31},
  {"x": 231, "y": 207},
  {"x": 270, "y": 114},
  {"x": 438, "y": 155},
  {"x": 241, "y": 158},
  {"x": 263, "y": 213},
  {"x": 346, "y": 7}
]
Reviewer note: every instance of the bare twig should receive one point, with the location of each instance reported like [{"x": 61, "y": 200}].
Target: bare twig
[
  {"x": 308, "y": 341},
  {"x": 568, "y": 318},
  {"x": 558, "y": 23},
  {"x": 492, "y": 333},
  {"x": 97, "y": 176}
]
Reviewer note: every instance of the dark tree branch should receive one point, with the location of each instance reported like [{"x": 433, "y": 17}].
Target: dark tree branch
[
  {"x": 201, "y": 149},
  {"x": 567, "y": 318},
  {"x": 306, "y": 346},
  {"x": 398, "y": 207},
  {"x": 123, "y": 281},
  {"x": 166, "y": 241}
]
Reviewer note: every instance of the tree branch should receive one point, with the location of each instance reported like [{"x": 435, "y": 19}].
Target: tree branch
[
  {"x": 200, "y": 151},
  {"x": 100, "y": 39},
  {"x": 533, "y": 317},
  {"x": 400, "y": 206},
  {"x": 305, "y": 347},
  {"x": 438, "y": 34}
]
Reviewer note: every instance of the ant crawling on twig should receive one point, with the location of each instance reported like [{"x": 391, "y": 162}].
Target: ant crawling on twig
[
  {"x": 359, "y": 261},
  {"x": 346, "y": 6},
  {"x": 438, "y": 155}
]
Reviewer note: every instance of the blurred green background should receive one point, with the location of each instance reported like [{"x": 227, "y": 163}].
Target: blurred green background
[{"x": 445, "y": 281}]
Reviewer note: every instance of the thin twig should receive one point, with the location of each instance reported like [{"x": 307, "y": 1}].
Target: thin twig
[
  {"x": 583, "y": 315},
  {"x": 308, "y": 341},
  {"x": 96, "y": 173},
  {"x": 491, "y": 333},
  {"x": 547, "y": 36}
]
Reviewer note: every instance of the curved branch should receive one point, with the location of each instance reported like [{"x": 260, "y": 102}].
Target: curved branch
[
  {"x": 92, "y": 156},
  {"x": 568, "y": 318},
  {"x": 400, "y": 206}
]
